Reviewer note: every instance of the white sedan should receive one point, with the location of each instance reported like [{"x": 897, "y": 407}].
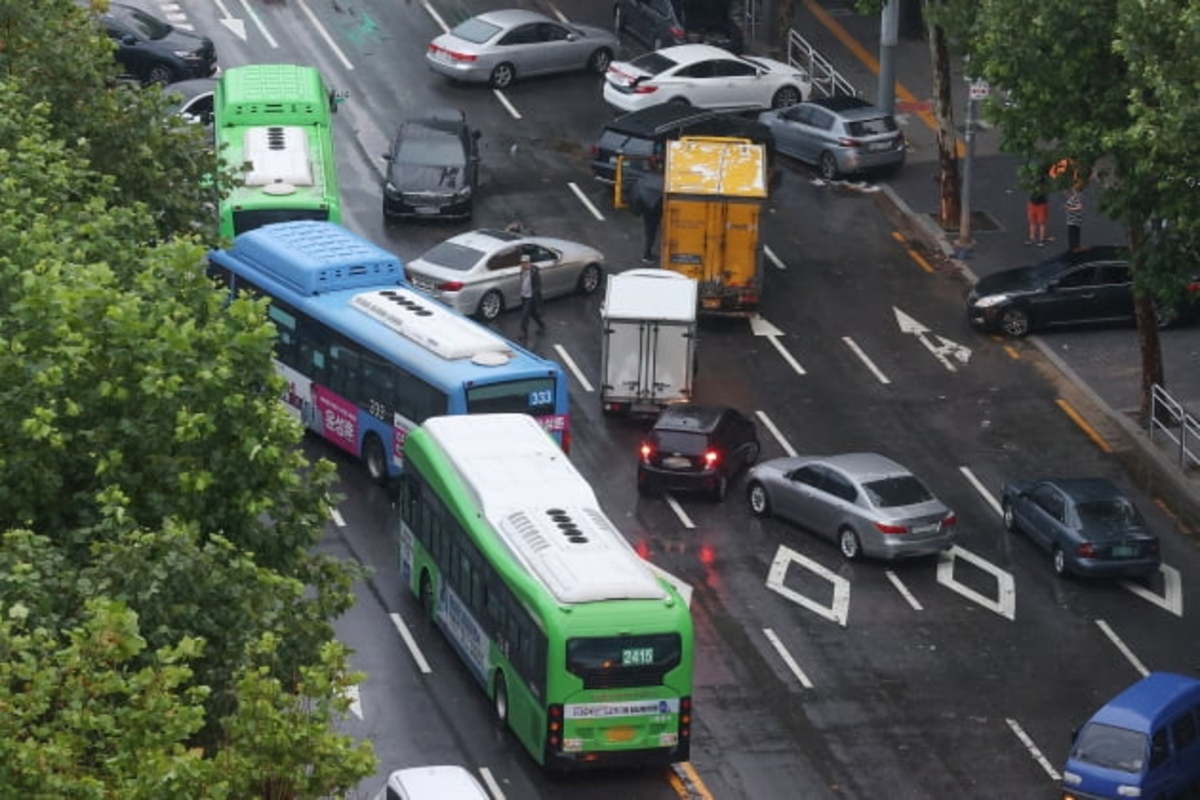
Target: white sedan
[{"x": 705, "y": 77}]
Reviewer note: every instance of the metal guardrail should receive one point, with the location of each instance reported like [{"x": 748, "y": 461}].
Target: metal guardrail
[
  {"x": 1177, "y": 424},
  {"x": 825, "y": 79}
]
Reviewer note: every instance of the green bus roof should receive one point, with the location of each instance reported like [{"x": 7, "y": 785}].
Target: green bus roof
[{"x": 271, "y": 94}]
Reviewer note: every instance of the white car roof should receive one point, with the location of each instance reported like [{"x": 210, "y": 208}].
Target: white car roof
[
  {"x": 436, "y": 783},
  {"x": 690, "y": 53}
]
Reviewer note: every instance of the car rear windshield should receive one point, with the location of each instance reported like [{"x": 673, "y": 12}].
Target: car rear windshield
[
  {"x": 902, "y": 490},
  {"x": 1111, "y": 747},
  {"x": 475, "y": 30},
  {"x": 619, "y": 661},
  {"x": 683, "y": 442},
  {"x": 653, "y": 63},
  {"x": 453, "y": 256},
  {"x": 534, "y": 396},
  {"x": 1107, "y": 512},
  {"x": 871, "y": 127}
]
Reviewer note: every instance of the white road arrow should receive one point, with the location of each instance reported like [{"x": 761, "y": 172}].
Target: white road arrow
[
  {"x": 233, "y": 23},
  {"x": 943, "y": 349},
  {"x": 760, "y": 327}
]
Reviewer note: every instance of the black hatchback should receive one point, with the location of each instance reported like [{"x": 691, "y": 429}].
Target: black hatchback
[
  {"x": 433, "y": 167},
  {"x": 696, "y": 448},
  {"x": 154, "y": 51}
]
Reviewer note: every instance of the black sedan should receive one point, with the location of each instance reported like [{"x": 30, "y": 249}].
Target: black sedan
[
  {"x": 1086, "y": 524},
  {"x": 152, "y": 50},
  {"x": 433, "y": 167},
  {"x": 1093, "y": 285}
]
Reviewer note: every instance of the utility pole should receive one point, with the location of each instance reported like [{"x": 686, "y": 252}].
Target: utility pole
[
  {"x": 889, "y": 34},
  {"x": 978, "y": 90}
]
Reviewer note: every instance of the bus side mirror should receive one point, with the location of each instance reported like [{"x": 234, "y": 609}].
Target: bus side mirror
[{"x": 337, "y": 97}]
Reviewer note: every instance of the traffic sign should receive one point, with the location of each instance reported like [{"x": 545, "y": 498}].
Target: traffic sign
[{"x": 980, "y": 89}]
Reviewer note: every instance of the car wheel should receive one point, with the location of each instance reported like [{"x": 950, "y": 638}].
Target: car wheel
[
  {"x": 827, "y": 165},
  {"x": 618, "y": 21},
  {"x": 375, "y": 459},
  {"x": 756, "y": 497},
  {"x": 600, "y": 60},
  {"x": 1014, "y": 322},
  {"x": 161, "y": 74},
  {"x": 1010, "y": 522},
  {"x": 490, "y": 305},
  {"x": 500, "y": 697},
  {"x": 1059, "y": 561},
  {"x": 589, "y": 279},
  {"x": 679, "y": 101},
  {"x": 787, "y": 96},
  {"x": 752, "y": 453},
  {"x": 427, "y": 596},
  {"x": 503, "y": 75},
  {"x": 721, "y": 489},
  {"x": 848, "y": 544}
]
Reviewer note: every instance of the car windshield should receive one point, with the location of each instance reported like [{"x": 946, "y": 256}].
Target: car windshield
[
  {"x": 1116, "y": 511},
  {"x": 475, "y": 31},
  {"x": 422, "y": 147},
  {"x": 1111, "y": 747},
  {"x": 683, "y": 442},
  {"x": 142, "y": 23},
  {"x": 871, "y": 127},
  {"x": 653, "y": 63},
  {"x": 453, "y": 256},
  {"x": 901, "y": 490}
]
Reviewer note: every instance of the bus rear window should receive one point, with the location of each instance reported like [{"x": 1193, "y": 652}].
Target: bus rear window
[
  {"x": 612, "y": 661},
  {"x": 534, "y": 396},
  {"x": 249, "y": 220}
]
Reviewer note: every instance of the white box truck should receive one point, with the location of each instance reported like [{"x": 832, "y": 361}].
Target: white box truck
[{"x": 648, "y": 354}]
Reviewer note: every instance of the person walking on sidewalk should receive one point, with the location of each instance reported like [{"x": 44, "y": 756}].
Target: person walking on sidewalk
[
  {"x": 1035, "y": 213},
  {"x": 531, "y": 295},
  {"x": 1074, "y": 208}
]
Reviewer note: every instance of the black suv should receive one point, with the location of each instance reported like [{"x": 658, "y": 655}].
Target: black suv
[
  {"x": 693, "y": 447},
  {"x": 663, "y": 23},
  {"x": 153, "y": 51},
  {"x": 642, "y": 136}
]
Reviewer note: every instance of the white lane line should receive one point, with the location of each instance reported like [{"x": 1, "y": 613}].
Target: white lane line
[
  {"x": 770, "y": 254},
  {"x": 492, "y": 785},
  {"x": 571, "y": 365},
  {"x": 853, "y": 345},
  {"x": 1033, "y": 749},
  {"x": 436, "y": 16},
  {"x": 787, "y": 356},
  {"x": 337, "y": 518},
  {"x": 584, "y": 199},
  {"x": 770, "y": 425},
  {"x": 258, "y": 24},
  {"x": 507, "y": 105},
  {"x": 679, "y": 512},
  {"x": 325, "y": 34},
  {"x": 184, "y": 26},
  {"x": 979, "y": 487},
  {"x": 1124, "y": 648},
  {"x": 561, "y": 16},
  {"x": 787, "y": 658},
  {"x": 903, "y": 590},
  {"x": 411, "y": 643}
]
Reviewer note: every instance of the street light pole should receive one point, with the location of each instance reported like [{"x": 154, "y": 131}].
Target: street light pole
[
  {"x": 977, "y": 89},
  {"x": 889, "y": 35}
]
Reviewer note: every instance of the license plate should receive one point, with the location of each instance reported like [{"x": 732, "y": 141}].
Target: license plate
[
  {"x": 676, "y": 462},
  {"x": 711, "y": 302},
  {"x": 624, "y": 733},
  {"x": 921, "y": 530},
  {"x": 881, "y": 145},
  {"x": 1123, "y": 551},
  {"x": 426, "y": 209}
]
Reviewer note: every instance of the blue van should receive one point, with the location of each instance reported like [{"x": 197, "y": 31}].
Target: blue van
[{"x": 1145, "y": 742}]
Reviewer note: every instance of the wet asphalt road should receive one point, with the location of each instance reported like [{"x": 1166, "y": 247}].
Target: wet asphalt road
[{"x": 915, "y": 680}]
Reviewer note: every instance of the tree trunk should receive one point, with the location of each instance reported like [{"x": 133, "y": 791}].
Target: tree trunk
[
  {"x": 949, "y": 200},
  {"x": 1147, "y": 328}
]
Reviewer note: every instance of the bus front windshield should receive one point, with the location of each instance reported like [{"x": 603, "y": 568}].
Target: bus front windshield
[{"x": 533, "y": 396}]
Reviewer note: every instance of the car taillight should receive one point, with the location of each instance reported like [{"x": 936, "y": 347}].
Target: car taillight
[
  {"x": 685, "y": 718},
  {"x": 886, "y": 528},
  {"x": 677, "y": 31},
  {"x": 1086, "y": 550},
  {"x": 647, "y": 451},
  {"x": 849, "y": 142},
  {"x": 554, "y": 724},
  {"x": 433, "y": 48},
  {"x": 951, "y": 519},
  {"x": 644, "y": 88},
  {"x": 710, "y": 458},
  {"x": 450, "y": 286},
  {"x": 1194, "y": 286}
]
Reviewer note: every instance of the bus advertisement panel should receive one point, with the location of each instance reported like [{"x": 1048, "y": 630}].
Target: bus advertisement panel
[
  {"x": 585, "y": 652},
  {"x": 365, "y": 357}
]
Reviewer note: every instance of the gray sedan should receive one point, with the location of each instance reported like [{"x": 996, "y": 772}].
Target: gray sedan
[
  {"x": 480, "y": 273},
  {"x": 840, "y": 135},
  {"x": 867, "y": 503},
  {"x": 499, "y": 46}
]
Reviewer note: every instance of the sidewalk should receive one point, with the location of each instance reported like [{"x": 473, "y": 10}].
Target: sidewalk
[{"x": 1106, "y": 364}]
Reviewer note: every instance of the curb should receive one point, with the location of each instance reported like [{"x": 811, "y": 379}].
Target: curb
[{"x": 1149, "y": 467}]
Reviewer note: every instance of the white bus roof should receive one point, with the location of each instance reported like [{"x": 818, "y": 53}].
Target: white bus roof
[
  {"x": 658, "y": 294},
  {"x": 542, "y": 508}
]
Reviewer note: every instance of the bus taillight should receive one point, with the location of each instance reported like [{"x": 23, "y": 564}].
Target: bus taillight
[
  {"x": 685, "y": 718},
  {"x": 554, "y": 726}
]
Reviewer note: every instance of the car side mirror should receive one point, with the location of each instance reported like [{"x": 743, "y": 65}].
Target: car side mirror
[{"x": 571, "y": 37}]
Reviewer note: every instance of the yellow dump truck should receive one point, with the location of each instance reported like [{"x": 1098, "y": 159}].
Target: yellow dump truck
[{"x": 713, "y": 193}]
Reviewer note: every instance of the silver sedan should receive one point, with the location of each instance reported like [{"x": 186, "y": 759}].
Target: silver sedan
[
  {"x": 867, "y": 503},
  {"x": 480, "y": 272},
  {"x": 499, "y": 46}
]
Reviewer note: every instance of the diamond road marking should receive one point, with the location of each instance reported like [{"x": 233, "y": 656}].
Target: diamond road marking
[
  {"x": 1006, "y": 603},
  {"x": 1172, "y": 597},
  {"x": 836, "y": 612}
]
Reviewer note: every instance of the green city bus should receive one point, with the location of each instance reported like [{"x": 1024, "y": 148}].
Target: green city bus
[
  {"x": 277, "y": 118},
  {"x": 584, "y": 651}
]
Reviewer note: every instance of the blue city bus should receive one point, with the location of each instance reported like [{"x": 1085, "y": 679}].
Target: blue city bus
[{"x": 365, "y": 356}]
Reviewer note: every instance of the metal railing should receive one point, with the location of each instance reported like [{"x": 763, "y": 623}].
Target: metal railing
[
  {"x": 1177, "y": 424},
  {"x": 825, "y": 79}
]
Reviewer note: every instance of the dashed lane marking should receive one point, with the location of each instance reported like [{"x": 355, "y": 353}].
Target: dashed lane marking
[
  {"x": 770, "y": 425},
  {"x": 898, "y": 236},
  {"x": 679, "y": 512},
  {"x": 858, "y": 351},
  {"x": 492, "y": 785},
  {"x": 250, "y": 12},
  {"x": 561, "y": 16},
  {"x": 337, "y": 518},
  {"x": 1124, "y": 648},
  {"x": 787, "y": 658},
  {"x": 575, "y": 370},
  {"x": 583, "y": 198},
  {"x": 979, "y": 487},
  {"x": 1087, "y": 429},
  {"x": 337, "y": 51},
  {"x": 774, "y": 259},
  {"x": 1012, "y": 352},
  {"x": 903, "y": 590},
  {"x": 1033, "y": 749},
  {"x": 441, "y": 23},
  {"x": 411, "y": 643},
  {"x": 512, "y": 110}
]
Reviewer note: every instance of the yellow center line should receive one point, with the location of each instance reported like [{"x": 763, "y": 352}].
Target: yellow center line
[
  {"x": 697, "y": 783},
  {"x": 1012, "y": 352},
  {"x": 678, "y": 786},
  {"x": 898, "y": 236},
  {"x": 1084, "y": 426},
  {"x": 917, "y": 257}
]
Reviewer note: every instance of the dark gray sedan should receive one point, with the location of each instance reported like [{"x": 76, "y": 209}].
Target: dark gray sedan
[
  {"x": 1086, "y": 524},
  {"x": 867, "y": 503}
]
